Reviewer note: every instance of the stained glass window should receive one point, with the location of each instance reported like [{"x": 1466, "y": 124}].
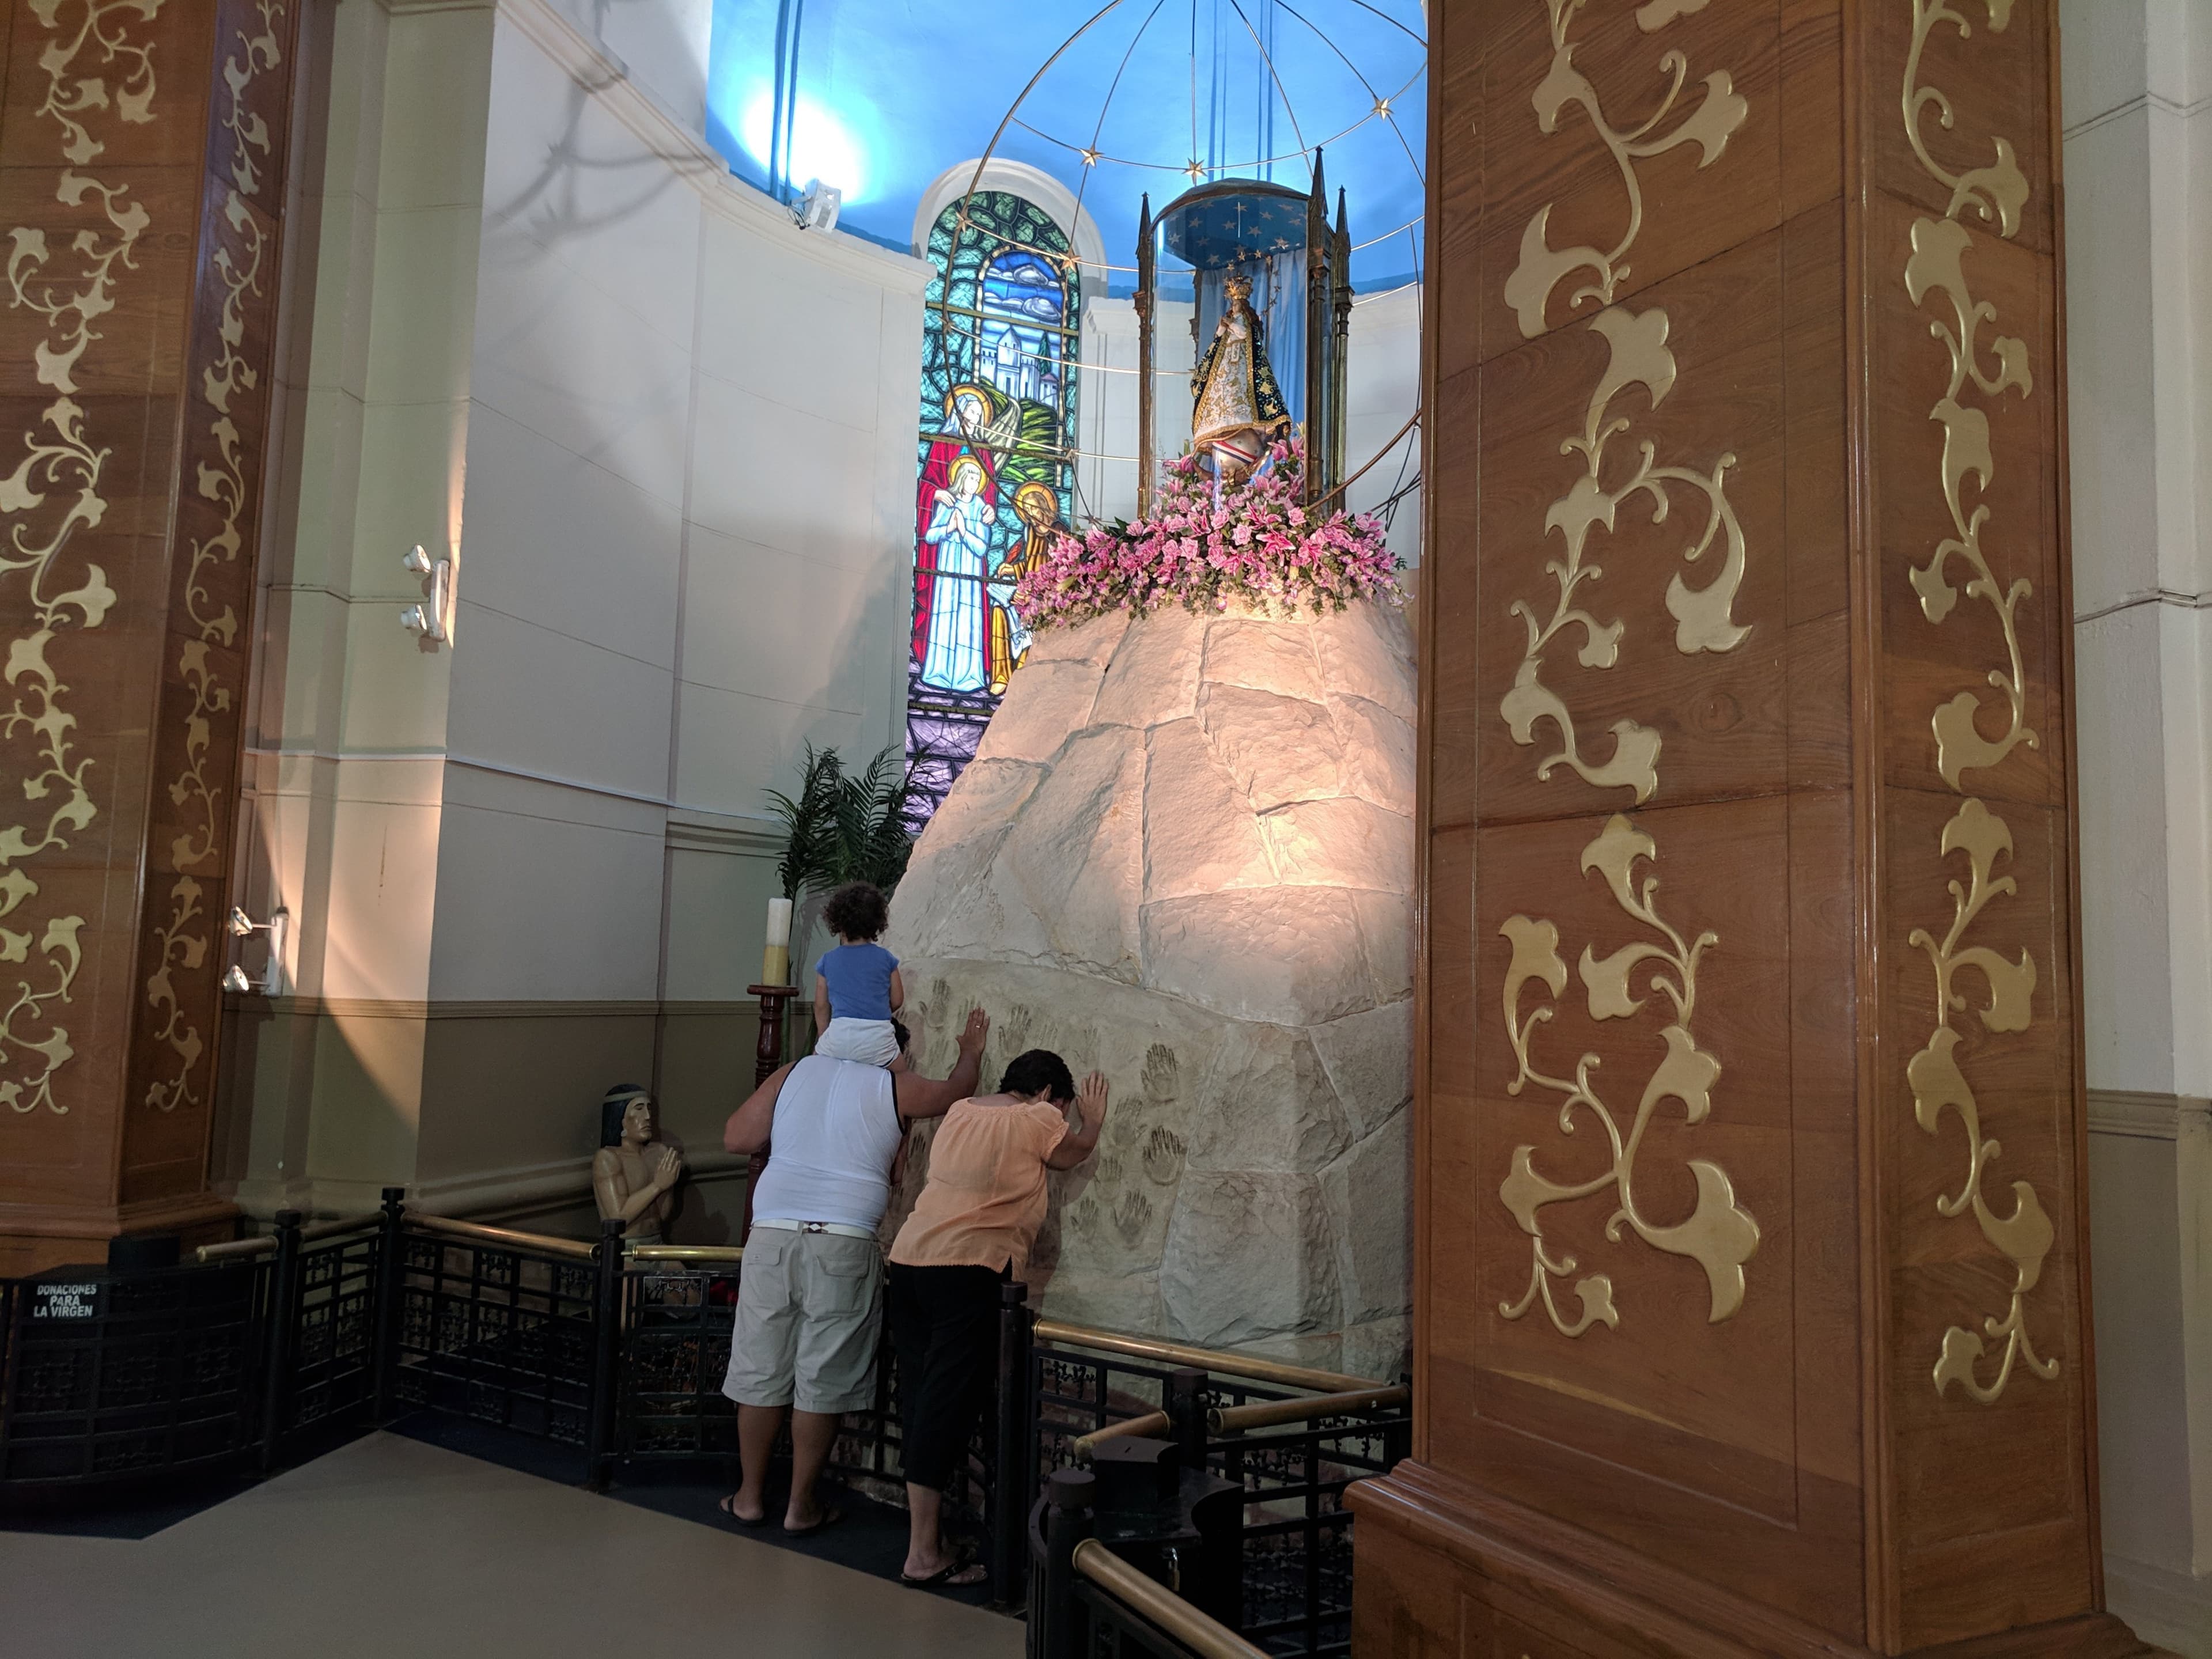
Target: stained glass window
[{"x": 996, "y": 464}]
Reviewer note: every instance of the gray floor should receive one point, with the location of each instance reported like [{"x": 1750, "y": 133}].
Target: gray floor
[{"x": 389, "y": 1548}]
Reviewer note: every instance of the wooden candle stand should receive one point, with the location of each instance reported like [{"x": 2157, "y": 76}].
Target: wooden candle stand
[{"x": 767, "y": 1054}]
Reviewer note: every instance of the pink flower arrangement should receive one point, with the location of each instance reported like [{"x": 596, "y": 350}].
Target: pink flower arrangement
[{"x": 1259, "y": 546}]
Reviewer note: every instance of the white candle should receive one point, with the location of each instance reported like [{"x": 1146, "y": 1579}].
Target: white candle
[{"x": 775, "y": 960}]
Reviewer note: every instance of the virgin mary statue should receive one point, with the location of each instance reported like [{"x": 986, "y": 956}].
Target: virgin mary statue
[{"x": 1238, "y": 409}]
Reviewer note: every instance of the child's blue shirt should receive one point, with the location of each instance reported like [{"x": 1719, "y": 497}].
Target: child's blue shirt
[{"x": 859, "y": 978}]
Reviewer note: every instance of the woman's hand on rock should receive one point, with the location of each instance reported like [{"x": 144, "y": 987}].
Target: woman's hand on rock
[
  {"x": 1090, "y": 1098},
  {"x": 974, "y": 1035}
]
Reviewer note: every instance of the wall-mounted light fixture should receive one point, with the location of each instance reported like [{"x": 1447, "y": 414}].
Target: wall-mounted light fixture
[
  {"x": 433, "y": 619},
  {"x": 243, "y": 926},
  {"x": 819, "y": 209}
]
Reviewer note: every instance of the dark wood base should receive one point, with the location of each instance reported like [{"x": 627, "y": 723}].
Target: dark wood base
[
  {"x": 36, "y": 1236},
  {"x": 1446, "y": 1571}
]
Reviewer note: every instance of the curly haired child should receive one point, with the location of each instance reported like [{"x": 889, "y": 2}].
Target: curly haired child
[{"x": 857, "y": 986}]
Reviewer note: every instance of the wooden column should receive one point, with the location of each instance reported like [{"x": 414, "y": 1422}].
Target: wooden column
[
  {"x": 1752, "y": 1304},
  {"x": 142, "y": 153}
]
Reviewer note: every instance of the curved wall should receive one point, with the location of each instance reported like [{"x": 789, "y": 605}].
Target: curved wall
[{"x": 668, "y": 436}]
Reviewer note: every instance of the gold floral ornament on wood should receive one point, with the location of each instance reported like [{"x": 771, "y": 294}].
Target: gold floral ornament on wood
[
  {"x": 1718, "y": 116},
  {"x": 221, "y": 471},
  {"x": 1637, "y": 357},
  {"x": 1936, "y": 267},
  {"x": 1704, "y": 617},
  {"x": 1720, "y": 1235},
  {"x": 1938, "y": 1085},
  {"x": 1939, "y": 247},
  {"x": 93, "y": 67}
]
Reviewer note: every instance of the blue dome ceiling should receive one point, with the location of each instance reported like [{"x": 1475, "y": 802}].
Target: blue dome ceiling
[{"x": 879, "y": 97}]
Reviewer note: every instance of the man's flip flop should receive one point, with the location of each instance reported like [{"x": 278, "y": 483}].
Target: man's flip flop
[
  {"x": 760, "y": 1520},
  {"x": 830, "y": 1517}
]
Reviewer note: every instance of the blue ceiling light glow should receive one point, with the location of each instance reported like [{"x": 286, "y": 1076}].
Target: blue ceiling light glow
[
  {"x": 820, "y": 145},
  {"x": 891, "y": 93}
]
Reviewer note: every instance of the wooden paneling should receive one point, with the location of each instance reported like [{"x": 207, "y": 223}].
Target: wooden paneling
[
  {"x": 143, "y": 155},
  {"x": 1707, "y": 317}
]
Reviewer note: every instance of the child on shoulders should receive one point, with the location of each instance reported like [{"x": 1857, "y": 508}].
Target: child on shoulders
[{"x": 857, "y": 986}]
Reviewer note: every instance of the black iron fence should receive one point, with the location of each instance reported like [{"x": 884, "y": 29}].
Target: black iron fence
[
  {"x": 1293, "y": 1555},
  {"x": 270, "y": 1348},
  {"x": 1085, "y": 1601},
  {"x": 112, "y": 1379}
]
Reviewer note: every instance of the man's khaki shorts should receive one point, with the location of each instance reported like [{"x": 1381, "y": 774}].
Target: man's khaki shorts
[{"x": 810, "y": 1309}]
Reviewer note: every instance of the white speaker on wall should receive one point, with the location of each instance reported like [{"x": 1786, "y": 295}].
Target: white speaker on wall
[{"x": 817, "y": 209}]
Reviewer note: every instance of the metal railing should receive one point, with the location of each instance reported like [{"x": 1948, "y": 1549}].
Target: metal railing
[
  {"x": 1293, "y": 1438},
  {"x": 1086, "y": 1602},
  {"x": 1255, "y": 1367},
  {"x": 115, "y": 1379},
  {"x": 267, "y": 1347},
  {"x": 496, "y": 1327}
]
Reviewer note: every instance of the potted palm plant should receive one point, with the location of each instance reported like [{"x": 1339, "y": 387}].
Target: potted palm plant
[{"x": 841, "y": 825}]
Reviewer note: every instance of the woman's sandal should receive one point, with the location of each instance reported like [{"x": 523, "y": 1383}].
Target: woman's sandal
[
  {"x": 725, "y": 1506},
  {"x": 960, "y": 1575}
]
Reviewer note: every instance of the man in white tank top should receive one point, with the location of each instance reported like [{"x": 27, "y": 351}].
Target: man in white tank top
[{"x": 810, "y": 1298}]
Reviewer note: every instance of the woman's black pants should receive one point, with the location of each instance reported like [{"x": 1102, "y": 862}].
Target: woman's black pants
[{"x": 945, "y": 1328}]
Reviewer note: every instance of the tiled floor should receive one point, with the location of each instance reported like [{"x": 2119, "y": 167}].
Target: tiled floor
[{"x": 389, "y": 1548}]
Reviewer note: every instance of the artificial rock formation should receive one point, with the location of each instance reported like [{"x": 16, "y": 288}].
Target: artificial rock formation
[{"x": 1183, "y": 856}]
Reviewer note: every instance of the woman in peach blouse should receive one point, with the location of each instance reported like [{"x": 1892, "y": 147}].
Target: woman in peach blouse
[{"x": 970, "y": 1232}]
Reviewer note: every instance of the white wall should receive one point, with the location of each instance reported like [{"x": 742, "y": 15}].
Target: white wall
[
  {"x": 2137, "y": 78},
  {"x": 669, "y": 438},
  {"x": 1106, "y": 414},
  {"x": 1382, "y": 388}
]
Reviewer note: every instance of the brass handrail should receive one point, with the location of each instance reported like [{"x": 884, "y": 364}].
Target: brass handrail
[
  {"x": 1236, "y": 1420},
  {"x": 232, "y": 1248},
  {"x": 263, "y": 1244},
  {"x": 1150, "y": 1423},
  {"x": 684, "y": 1252},
  {"x": 1206, "y": 1637},
  {"x": 1206, "y": 1359},
  {"x": 507, "y": 1237},
  {"x": 317, "y": 1232}
]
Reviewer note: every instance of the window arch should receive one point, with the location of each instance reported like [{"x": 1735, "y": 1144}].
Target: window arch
[{"x": 995, "y": 463}]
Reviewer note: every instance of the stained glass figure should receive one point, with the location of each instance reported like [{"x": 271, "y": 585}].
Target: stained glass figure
[{"x": 996, "y": 464}]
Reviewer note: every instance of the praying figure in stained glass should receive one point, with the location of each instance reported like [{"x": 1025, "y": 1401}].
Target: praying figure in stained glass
[
  {"x": 1037, "y": 506},
  {"x": 1236, "y": 407},
  {"x": 1000, "y": 345},
  {"x": 959, "y": 533},
  {"x": 978, "y": 422}
]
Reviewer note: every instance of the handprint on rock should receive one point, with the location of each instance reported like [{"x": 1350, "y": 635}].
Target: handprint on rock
[
  {"x": 1161, "y": 1073},
  {"x": 1164, "y": 1154}
]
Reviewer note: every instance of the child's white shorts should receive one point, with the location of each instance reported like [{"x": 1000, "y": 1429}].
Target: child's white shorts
[{"x": 871, "y": 1041}]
